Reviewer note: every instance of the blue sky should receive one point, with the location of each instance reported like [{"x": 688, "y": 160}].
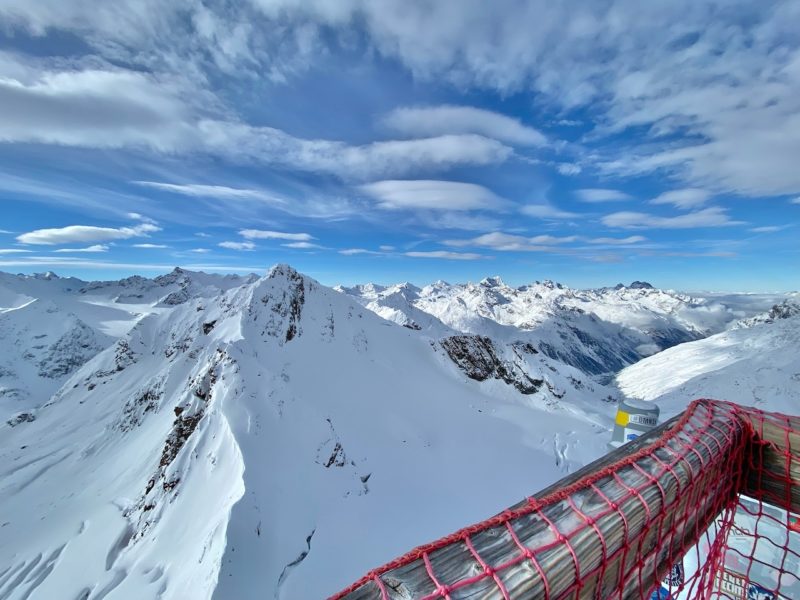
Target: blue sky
[{"x": 589, "y": 142}]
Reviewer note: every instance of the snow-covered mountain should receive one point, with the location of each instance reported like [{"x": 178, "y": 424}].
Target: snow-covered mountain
[
  {"x": 233, "y": 445},
  {"x": 754, "y": 363},
  {"x": 197, "y": 436},
  {"x": 599, "y": 331},
  {"x": 50, "y": 326}
]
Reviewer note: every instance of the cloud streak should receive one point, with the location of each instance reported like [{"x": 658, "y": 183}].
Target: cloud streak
[
  {"x": 601, "y": 195},
  {"x": 425, "y": 121},
  {"x": 261, "y": 234},
  {"x": 708, "y": 217},
  {"x": 444, "y": 255},
  {"x": 433, "y": 195},
  {"x": 85, "y": 233}
]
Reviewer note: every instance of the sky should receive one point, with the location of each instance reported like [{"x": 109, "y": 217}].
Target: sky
[{"x": 589, "y": 142}]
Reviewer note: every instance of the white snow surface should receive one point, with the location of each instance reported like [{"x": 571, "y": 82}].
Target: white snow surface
[
  {"x": 755, "y": 363},
  {"x": 236, "y": 438}
]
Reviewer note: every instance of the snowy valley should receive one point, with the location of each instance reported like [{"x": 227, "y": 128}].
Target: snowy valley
[{"x": 200, "y": 436}]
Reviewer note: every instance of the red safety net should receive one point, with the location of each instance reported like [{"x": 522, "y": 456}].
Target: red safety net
[{"x": 703, "y": 507}]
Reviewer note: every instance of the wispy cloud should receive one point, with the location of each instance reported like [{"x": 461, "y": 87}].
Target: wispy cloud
[
  {"x": 200, "y": 250},
  {"x": 569, "y": 169},
  {"x": 13, "y": 251},
  {"x": 261, "y": 234},
  {"x": 433, "y": 195},
  {"x": 237, "y": 245},
  {"x": 770, "y": 228},
  {"x": 89, "y": 249},
  {"x": 357, "y": 251},
  {"x": 708, "y": 217},
  {"x": 84, "y": 263},
  {"x": 449, "y": 119},
  {"x": 150, "y": 246},
  {"x": 303, "y": 246},
  {"x": 444, "y": 254},
  {"x": 601, "y": 195},
  {"x": 512, "y": 243},
  {"x": 687, "y": 198},
  {"x": 633, "y": 239},
  {"x": 212, "y": 191},
  {"x": 85, "y": 233},
  {"x": 547, "y": 211}
]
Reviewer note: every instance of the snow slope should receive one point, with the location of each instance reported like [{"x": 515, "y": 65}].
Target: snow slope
[
  {"x": 234, "y": 445},
  {"x": 754, "y": 363},
  {"x": 50, "y": 326}
]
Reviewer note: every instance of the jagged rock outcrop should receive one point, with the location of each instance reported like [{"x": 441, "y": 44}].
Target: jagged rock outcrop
[{"x": 477, "y": 357}]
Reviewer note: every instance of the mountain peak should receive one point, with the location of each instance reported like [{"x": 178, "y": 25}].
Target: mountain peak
[{"x": 495, "y": 281}]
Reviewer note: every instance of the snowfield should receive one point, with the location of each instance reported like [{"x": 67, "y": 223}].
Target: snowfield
[
  {"x": 196, "y": 436},
  {"x": 755, "y": 363}
]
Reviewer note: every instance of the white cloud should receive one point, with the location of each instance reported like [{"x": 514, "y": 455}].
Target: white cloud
[
  {"x": 569, "y": 169},
  {"x": 673, "y": 72},
  {"x": 367, "y": 161},
  {"x": 85, "y": 233},
  {"x": 140, "y": 217},
  {"x": 601, "y": 195},
  {"x": 708, "y": 217},
  {"x": 513, "y": 243},
  {"x": 633, "y": 239},
  {"x": 356, "y": 251},
  {"x": 94, "y": 108},
  {"x": 687, "y": 198},
  {"x": 433, "y": 195},
  {"x": 769, "y": 228},
  {"x": 303, "y": 246},
  {"x": 167, "y": 113},
  {"x": 200, "y": 250},
  {"x": 426, "y": 121},
  {"x": 90, "y": 249},
  {"x": 443, "y": 254},
  {"x": 792, "y": 201},
  {"x": 547, "y": 211},
  {"x": 212, "y": 191},
  {"x": 150, "y": 246},
  {"x": 688, "y": 79},
  {"x": 85, "y": 263},
  {"x": 386, "y": 248},
  {"x": 260, "y": 234},
  {"x": 237, "y": 245},
  {"x": 13, "y": 251}
]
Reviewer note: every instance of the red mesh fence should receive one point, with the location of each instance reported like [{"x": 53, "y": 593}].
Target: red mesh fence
[{"x": 702, "y": 507}]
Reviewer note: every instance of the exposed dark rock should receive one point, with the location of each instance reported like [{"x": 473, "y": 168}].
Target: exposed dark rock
[
  {"x": 477, "y": 357},
  {"x": 207, "y": 327},
  {"x": 23, "y": 417}
]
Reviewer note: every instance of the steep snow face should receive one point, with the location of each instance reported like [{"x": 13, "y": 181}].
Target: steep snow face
[
  {"x": 755, "y": 364},
  {"x": 50, "y": 326},
  {"x": 230, "y": 447},
  {"x": 43, "y": 345},
  {"x": 598, "y": 331}
]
